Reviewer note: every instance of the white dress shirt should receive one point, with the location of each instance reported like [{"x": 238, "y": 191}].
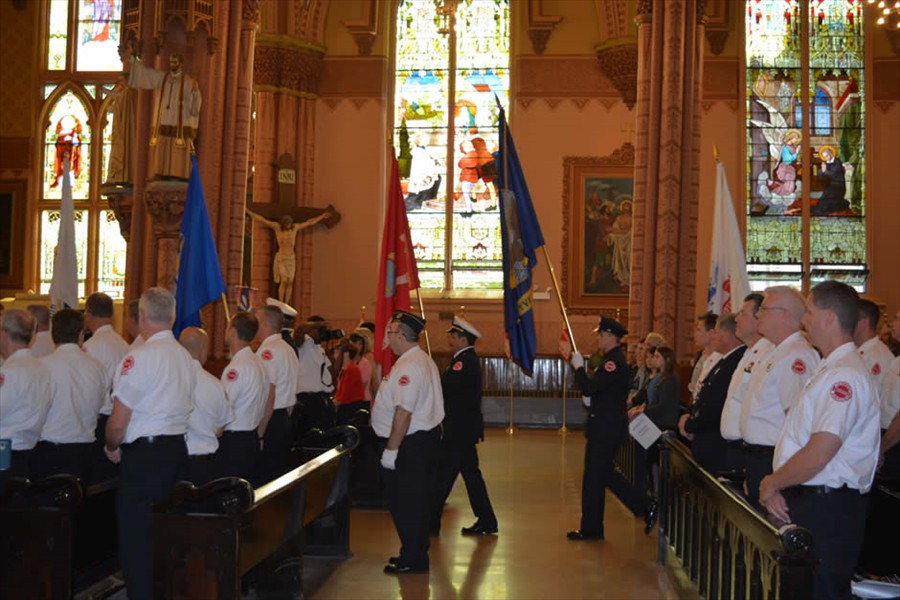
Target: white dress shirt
[
  {"x": 24, "y": 399},
  {"x": 889, "y": 395},
  {"x": 730, "y": 423},
  {"x": 247, "y": 387},
  {"x": 42, "y": 345},
  {"x": 878, "y": 358},
  {"x": 109, "y": 348},
  {"x": 212, "y": 411},
  {"x": 283, "y": 368},
  {"x": 78, "y": 388},
  {"x": 156, "y": 381},
  {"x": 315, "y": 375},
  {"x": 414, "y": 385}
]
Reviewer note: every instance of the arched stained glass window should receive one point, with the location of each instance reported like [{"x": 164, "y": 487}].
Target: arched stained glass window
[
  {"x": 76, "y": 123},
  {"x": 452, "y": 67},
  {"x": 798, "y": 158}
]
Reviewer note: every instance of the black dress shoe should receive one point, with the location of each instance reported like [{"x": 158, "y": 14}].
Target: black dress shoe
[
  {"x": 398, "y": 569},
  {"x": 393, "y": 560},
  {"x": 479, "y": 529},
  {"x": 580, "y": 536}
]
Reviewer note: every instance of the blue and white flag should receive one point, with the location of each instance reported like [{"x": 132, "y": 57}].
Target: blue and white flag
[
  {"x": 200, "y": 278},
  {"x": 521, "y": 239},
  {"x": 728, "y": 284}
]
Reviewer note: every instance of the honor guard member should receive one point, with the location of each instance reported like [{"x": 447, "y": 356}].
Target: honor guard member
[
  {"x": 406, "y": 416},
  {"x": 463, "y": 428},
  {"x": 890, "y": 413},
  {"x": 24, "y": 392},
  {"x": 212, "y": 411},
  {"x": 42, "y": 345},
  {"x": 776, "y": 384},
  {"x": 132, "y": 323},
  {"x": 283, "y": 368},
  {"x": 758, "y": 348},
  {"x": 607, "y": 423},
  {"x": 153, "y": 395},
  {"x": 249, "y": 391},
  {"x": 109, "y": 348},
  {"x": 875, "y": 353},
  {"x": 78, "y": 388},
  {"x": 701, "y": 425},
  {"x": 827, "y": 452},
  {"x": 288, "y": 314},
  {"x": 314, "y": 406}
]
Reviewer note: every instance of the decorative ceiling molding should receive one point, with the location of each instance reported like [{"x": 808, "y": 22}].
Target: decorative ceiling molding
[
  {"x": 619, "y": 62},
  {"x": 884, "y": 105},
  {"x": 540, "y": 26},
  {"x": 613, "y": 14},
  {"x": 193, "y": 14},
  {"x": 718, "y": 23},
  {"x": 365, "y": 28},
  {"x": 280, "y": 63}
]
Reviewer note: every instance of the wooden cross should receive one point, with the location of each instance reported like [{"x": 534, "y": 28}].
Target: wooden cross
[{"x": 286, "y": 189}]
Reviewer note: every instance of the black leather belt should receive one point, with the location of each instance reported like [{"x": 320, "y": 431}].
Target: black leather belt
[
  {"x": 757, "y": 448},
  {"x": 734, "y": 443},
  {"x": 157, "y": 439},
  {"x": 808, "y": 490}
]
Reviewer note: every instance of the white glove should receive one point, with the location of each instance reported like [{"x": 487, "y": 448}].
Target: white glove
[
  {"x": 586, "y": 400},
  {"x": 389, "y": 459},
  {"x": 577, "y": 360}
]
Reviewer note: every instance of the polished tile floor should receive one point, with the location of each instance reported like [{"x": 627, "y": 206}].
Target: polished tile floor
[{"x": 534, "y": 480}]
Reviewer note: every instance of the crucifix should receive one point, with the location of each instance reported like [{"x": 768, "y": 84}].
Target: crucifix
[{"x": 286, "y": 220}]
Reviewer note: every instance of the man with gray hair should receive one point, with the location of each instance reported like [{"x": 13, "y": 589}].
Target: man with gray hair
[
  {"x": 774, "y": 387},
  {"x": 153, "y": 395},
  {"x": 24, "y": 392},
  {"x": 42, "y": 344}
]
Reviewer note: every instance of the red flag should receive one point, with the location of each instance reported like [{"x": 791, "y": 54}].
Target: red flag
[
  {"x": 565, "y": 344},
  {"x": 398, "y": 275}
]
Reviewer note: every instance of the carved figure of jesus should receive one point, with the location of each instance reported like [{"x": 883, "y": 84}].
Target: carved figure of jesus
[{"x": 284, "y": 268}]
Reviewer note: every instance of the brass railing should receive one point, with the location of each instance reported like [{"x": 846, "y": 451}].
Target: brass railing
[{"x": 719, "y": 546}]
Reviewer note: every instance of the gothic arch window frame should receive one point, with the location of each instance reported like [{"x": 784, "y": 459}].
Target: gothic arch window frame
[
  {"x": 467, "y": 247},
  {"x": 91, "y": 89}
]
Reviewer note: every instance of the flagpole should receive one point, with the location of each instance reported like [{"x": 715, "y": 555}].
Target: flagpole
[
  {"x": 422, "y": 312},
  {"x": 716, "y": 153},
  {"x": 225, "y": 306},
  {"x": 564, "y": 429},
  {"x": 562, "y": 306},
  {"x": 510, "y": 430}
]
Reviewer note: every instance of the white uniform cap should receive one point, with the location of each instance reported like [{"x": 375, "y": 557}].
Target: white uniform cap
[
  {"x": 287, "y": 310},
  {"x": 462, "y": 326}
]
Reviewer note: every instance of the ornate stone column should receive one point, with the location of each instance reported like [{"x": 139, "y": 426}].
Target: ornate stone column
[{"x": 165, "y": 203}]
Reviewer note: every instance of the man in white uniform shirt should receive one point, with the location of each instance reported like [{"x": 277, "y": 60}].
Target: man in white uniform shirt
[
  {"x": 212, "y": 411},
  {"x": 42, "y": 344},
  {"x": 249, "y": 392},
  {"x": 889, "y": 395},
  {"x": 78, "y": 387},
  {"x": 24, "y": 391},
  {"x": 153, "y": 395},
  {"x": 758, "y": 347},
  {"x": 314, "y": 406},
  {"x": 406, "y": 416},
  {"x": 283, "y": 369},
  {"x": 827, "y": 452},
  {"x": 108, "y": 347},
  {"x": 775, "y": 385}
]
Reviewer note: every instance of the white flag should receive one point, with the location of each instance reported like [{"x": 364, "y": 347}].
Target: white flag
[
  {"x": 728, "y": 284},
  {"x": 64, "y": 287}
]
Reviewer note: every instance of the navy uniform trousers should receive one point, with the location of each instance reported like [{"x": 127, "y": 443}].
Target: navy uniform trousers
[
  {"x": 461, "y": 458},
  {"x": 407, "y": 490},
  {"x": 148, "y": 472}
]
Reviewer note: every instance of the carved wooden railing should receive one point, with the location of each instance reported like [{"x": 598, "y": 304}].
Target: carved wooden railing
[{"x": 720, "y": 547}]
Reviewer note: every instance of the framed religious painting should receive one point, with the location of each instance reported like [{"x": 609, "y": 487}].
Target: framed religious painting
[
  {"x": 12, "y": 234},
  {"x": 598, "y": 201}
]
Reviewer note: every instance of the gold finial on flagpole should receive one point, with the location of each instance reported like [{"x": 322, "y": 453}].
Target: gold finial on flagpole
[
  {"x": 716, "y": 153},
  {"x": 462, "y": 311}
]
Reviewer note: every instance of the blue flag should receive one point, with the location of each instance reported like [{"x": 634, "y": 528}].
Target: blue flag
[
  {"x": 521, "y": 239},
  {"x": 199, "y": 274}
]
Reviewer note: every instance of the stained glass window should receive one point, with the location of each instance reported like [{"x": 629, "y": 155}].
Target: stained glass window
[
  {"x": 112, "y": 254},
  {"x": 780, "y": 162},
  {"x": 49, "y": 236},
  {"x": 57, "y": 35},
  {"x": 69, "y": 135},
  {"x": 452, "y": 67},
  {"x": 98, "y": 35}
]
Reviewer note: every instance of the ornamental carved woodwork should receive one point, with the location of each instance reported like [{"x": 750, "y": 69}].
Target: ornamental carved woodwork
[
  {"x": 291, "y": 68},
  {"x": 166, "y": 208},
  {"x": 193, "y": 14},
  {"x": 619, "y": 62},
  {"x": 250, "y": 11},
  {"x": 122, "y": 204}
]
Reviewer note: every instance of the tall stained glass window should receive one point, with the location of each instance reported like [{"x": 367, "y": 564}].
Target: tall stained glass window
[
  {"x": 452, "y": 67},
  {"x": 77, "y": 124},
  {"x": 805, "y": 142}
]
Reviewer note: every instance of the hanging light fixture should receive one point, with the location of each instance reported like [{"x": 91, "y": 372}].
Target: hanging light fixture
[{"x": 888, "y": 14}]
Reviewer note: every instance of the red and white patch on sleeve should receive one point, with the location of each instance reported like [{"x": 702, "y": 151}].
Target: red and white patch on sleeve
[
  {"x": 799, "y": 367},
  {"x": 231, "y": 375},
  {"x": 609, "y": 366},
  {"x": 841, "y": 391},
  {"x": 266, "y": 354},
  {"x": 457, "y": 366},
  {"x": 404, "y": 380},
  {"x": 127, "y": 364},
  {"x": 876, "y": 369},
  {"x": 2, "y": 379}
]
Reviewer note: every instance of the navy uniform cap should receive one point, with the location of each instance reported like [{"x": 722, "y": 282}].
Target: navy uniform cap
[
  {"x": 416, "y": 323},
  {"x": 460, "y": 325},
  {"x": 611, "y": 326}
]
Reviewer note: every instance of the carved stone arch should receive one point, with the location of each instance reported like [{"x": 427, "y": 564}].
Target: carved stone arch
[{"x": 55, "y": 96}]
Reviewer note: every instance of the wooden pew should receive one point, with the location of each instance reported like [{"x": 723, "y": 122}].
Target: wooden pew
[
  {"x": 57, "y": 536},
  {"x": 257, "y": 535},
  {"x": 715, "y": 545}
]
